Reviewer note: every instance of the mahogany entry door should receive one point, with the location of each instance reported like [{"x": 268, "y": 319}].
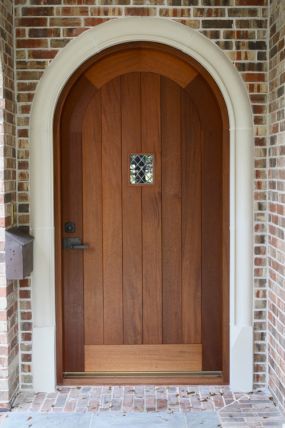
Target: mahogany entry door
[{"x": 141, "y": 219}]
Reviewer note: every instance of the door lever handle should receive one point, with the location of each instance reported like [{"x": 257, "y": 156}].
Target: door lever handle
[
  {"x": 74, "y": 244},
  {"x": 79, "y": 247}
]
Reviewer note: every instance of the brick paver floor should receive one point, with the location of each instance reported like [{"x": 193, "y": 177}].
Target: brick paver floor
[{"x": 233, "y": 409}]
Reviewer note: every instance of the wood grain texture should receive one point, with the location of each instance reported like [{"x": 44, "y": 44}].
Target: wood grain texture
[
  {"x": 142, "y": 358},
  {"x": 217, "y": 321},
  {"x": 171, "y": 210},
  {"x": 170, "y": 379},
  {"x": 212, "y": 249},
  {"x": 151, "y": 212},
  {"x": 58, "y": 246},
  {"x": 140, "y": 60},
  {"x": 131, "y": 211},
  {"x": 212, "y": 219},
  {"x": 71, "y": 178},
  {"x": 93, "y": 222},
  {"x": 112, "y": 212},
  {"x": 191, "y": 221},
  {"x": 226, "y": 251}
]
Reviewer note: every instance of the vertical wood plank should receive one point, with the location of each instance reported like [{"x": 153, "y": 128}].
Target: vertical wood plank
[
  {"x": 214, "y": 226},
  {"x": 132, "y": 233},
  {"x": 171, "y": 210},
  {"x": 92, "y": 222},
  {"x": 112, "y": 212},
  {"x": 71, "y": 178},
  {"x": 191, "y": 222},
  {"x": 151, "y": 209},
  {"x": 226, "y": 252},
  {"x": 58, "y": 247},
  {"x": 72, "y": 260},
  {"x": 212, "y": 222},
  {"x": 211, "y": 248}
]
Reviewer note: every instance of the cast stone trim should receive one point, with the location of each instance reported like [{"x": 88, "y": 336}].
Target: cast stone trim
[{"x": 42, "y": 205}]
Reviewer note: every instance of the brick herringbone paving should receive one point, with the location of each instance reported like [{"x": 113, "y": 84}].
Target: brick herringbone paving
[{"x": 234, "y": 409}]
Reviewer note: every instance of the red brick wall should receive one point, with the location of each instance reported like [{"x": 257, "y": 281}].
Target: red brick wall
[
  {"x": 9, "y": 362},
  {"x": 239, "y": 27},
  {"x": 276, "y": 203}
]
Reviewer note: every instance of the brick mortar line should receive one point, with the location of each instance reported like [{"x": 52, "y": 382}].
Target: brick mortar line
[
  {"x": 276, "y": 318},
  {"x": 276, "y": 284},
  {"x": 24, "y": 127},
  {"x": 272, "y": 292},
  {"x": 273, "y": 370},
  {"x": 46, "y": 48},
  {"x": 274, "y": 340},
  {"x": 236, "y": 400}
]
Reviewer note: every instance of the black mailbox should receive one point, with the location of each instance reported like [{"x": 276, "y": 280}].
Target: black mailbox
[{"x": 18, "y": 253}]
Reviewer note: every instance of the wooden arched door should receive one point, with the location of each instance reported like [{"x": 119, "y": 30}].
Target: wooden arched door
[{"x": 141, "y": 234}]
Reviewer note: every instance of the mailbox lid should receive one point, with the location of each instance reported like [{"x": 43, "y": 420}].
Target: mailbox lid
[
  {"x": 18, "y": 236},
  {"x": 18, "y": 253}
]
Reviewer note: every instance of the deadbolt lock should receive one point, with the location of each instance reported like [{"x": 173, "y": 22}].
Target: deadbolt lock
[{"x": 69, "y": 227}]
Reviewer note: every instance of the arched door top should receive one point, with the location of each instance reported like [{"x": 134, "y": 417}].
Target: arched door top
[
  {"x": 146, "y": 58},
  {"x": 236, "y": 98}
]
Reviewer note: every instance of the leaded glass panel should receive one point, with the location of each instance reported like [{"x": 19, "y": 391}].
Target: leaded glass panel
[{"x": 141, "y": 168}]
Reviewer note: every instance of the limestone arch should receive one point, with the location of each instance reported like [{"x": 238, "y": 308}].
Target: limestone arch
[{"x": 236, "y": 98}]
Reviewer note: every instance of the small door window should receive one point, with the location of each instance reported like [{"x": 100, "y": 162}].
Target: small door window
[{"x": 141, "y": 168}]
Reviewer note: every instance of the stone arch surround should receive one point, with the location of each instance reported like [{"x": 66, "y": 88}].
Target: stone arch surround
[{"x": 241, "y": 182}]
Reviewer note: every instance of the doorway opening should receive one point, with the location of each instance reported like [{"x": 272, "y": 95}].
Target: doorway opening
[{"x": 142, "y": 221}]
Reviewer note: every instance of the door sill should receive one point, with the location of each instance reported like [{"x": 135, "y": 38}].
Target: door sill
[{"x": 138, "y": 378}]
